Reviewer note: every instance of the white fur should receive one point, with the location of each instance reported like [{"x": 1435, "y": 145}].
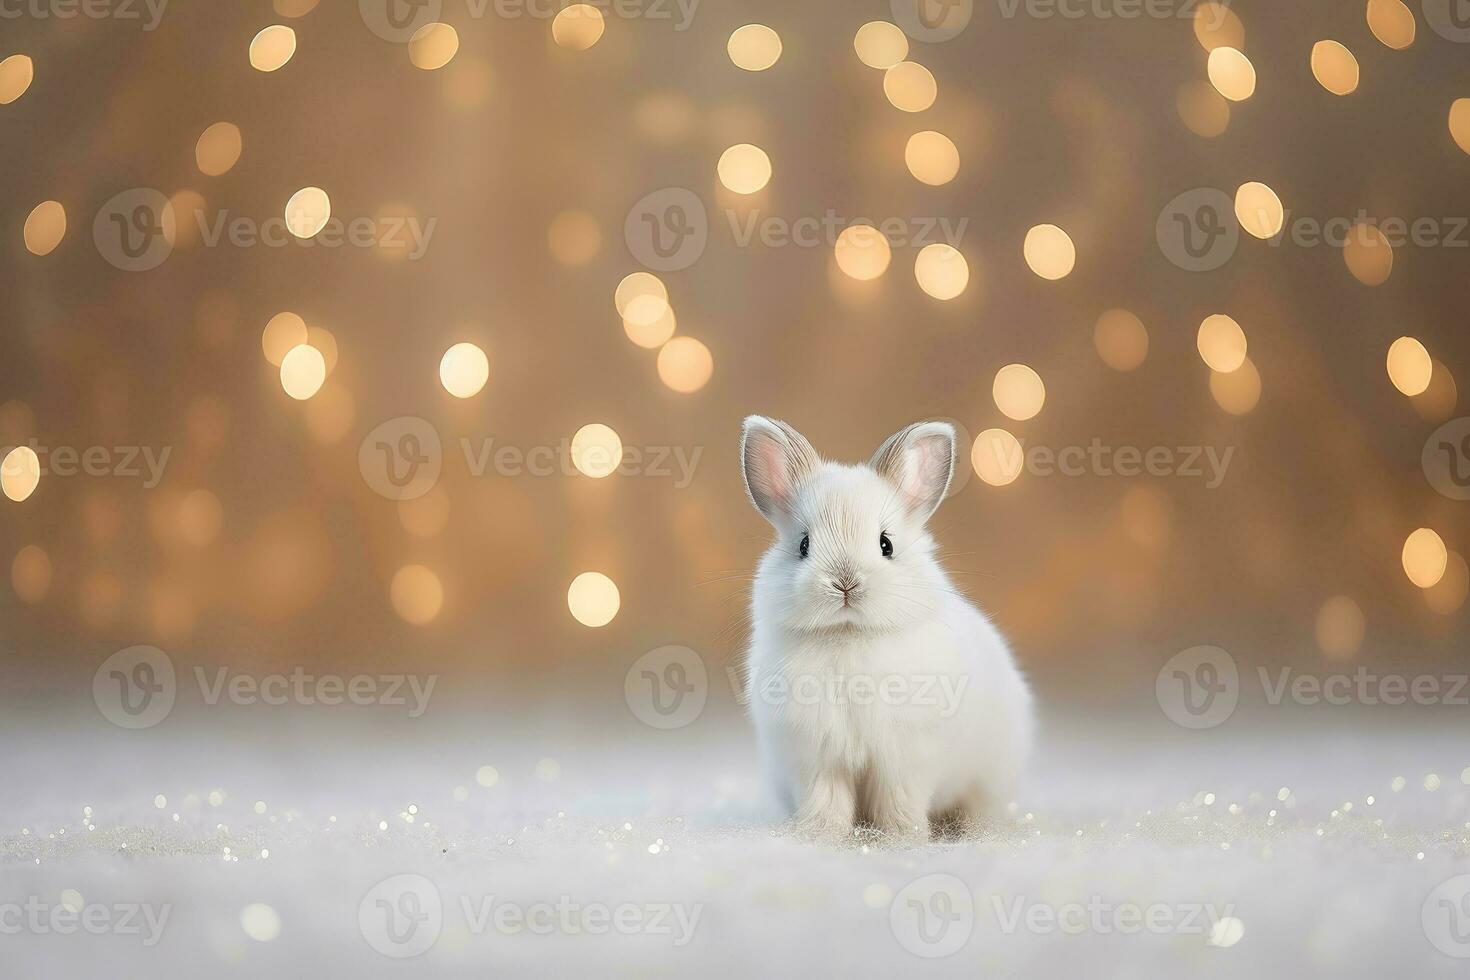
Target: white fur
[{"x": 895, "y": 705}]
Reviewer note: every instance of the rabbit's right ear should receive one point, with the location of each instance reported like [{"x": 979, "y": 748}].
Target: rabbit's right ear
[{"x": 775, "y": 458}]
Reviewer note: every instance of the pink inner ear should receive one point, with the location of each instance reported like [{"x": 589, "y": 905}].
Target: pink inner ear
[
  {"x": 774, "y": 472},
  {"x": 923, "y": 469}
]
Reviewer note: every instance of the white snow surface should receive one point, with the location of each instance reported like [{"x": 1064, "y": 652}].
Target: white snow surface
[{"x": 595, "y": 818}]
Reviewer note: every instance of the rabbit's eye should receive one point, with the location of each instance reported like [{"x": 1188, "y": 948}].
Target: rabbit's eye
[
  {"x": 885, "y": 545},
  {"x": 806, "y": 544}
]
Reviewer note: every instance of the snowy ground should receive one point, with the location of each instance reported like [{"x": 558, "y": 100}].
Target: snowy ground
[{"x": 606, "y": 848}]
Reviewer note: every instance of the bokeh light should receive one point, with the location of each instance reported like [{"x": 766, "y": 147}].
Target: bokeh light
[
  {"x": 1392, "y": 22},
  {"x": 1221, "y": 343},
  {"x": 16, "y": 74},
  {"x": 880, "y": 44},
  {"x": 1439, "y": 401},
  {"x": 1368, "y": 254},
  {"x": 754, "y": 47},
  {"x": 1121, "y": 340},
  {"x": 597, "y": 450},
  {"x": 1340, "y": 627},
  {"x": 1216, "y": 25},
  {"x": 1259, "y": 210},
  {"x": 45, "y": 227},
  {"x": 578, "y": 27},
  {"x": 30, "y": 574},
  {"x": 323, "y": 340},
  {"x": 941, "y": 271},
  {"x": 1238, "y": 392},
  {"x": 1425, "y": 558},
  {"x": 1019, "y": 392},
  {"x": 1205, "y": 111},
  {"x": 1049, "y": 252},
  {"x": 433, "y": 46},
  {"x": 282, "y": 332},
  {"x": 1409, "y": 366},
  {"x": 201, "y": 516},
  {"x": 303, "y": 370},
  {"x": 685, "y": 365},
  {"x": 1334, "y": 67},
  {"x": 307, "y": 212},
  {"x": 649, "y": 321},
  {"x": 637, "y": 284},
  {"x": 464, "y": 370},
  {"x": 1460, "y": 123},
  {"x": 593, "y": 599},
  {"x": 862, "y": 252},
  {"x": 744, "y": 168},
  {"x": 932, "y": 158},
  {"x": 997, "y": 457},
  {"x": 272, "y": 48},
  {"x": 1448, "y": 595},
  {"x": 910, "y": 86},
  {"x": 20, "y": 472},
  {"x": 1232, "y": 74},
  {"x": 417, "y": 594},
  {"x": 218, "y": 149}
]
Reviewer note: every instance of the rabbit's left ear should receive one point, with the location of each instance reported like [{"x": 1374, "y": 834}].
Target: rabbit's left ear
[{"x": 919, "y": 461}]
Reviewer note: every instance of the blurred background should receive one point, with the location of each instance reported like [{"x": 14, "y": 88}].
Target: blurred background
[{"x": 493, "y": 181}]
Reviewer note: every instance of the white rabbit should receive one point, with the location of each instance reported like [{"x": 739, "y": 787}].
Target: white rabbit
[{"x": 881, "y": 697}]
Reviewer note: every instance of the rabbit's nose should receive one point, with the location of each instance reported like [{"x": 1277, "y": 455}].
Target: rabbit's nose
[{"x": 845, "y": 583}]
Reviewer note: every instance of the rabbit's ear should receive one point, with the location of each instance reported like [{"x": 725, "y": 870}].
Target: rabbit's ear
[
  {"x": 919, "y": 461},
  {"x": 775, "y": 458}
]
